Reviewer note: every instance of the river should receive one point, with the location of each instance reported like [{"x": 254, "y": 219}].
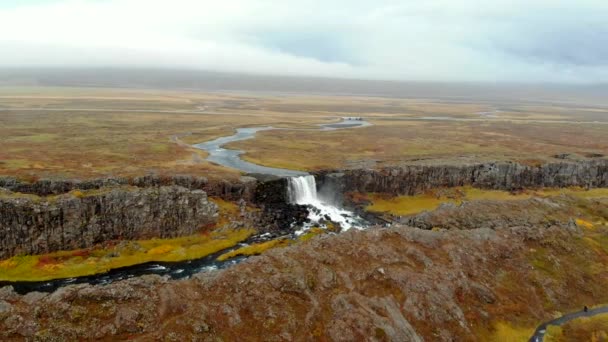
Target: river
[
  {"x": 174, "y": 270},
  {"x": 185, "y": 269},
  {"x": 232, "y": 158}
]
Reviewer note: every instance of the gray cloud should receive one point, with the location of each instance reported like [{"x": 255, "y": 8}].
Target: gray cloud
[
  {"x": 322, "y": 46},
  {"x": 449, "y": 40},
  {"x": 569, "y": 46}
]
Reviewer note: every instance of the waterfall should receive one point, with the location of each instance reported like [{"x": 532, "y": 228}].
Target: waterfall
[{"x": 303, "y": 190}]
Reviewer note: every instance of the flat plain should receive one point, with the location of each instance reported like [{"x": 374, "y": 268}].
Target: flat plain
[{"x": 94, "y": 132}]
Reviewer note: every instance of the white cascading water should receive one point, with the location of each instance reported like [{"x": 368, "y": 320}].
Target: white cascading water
[{"x": 303, "y": 190}]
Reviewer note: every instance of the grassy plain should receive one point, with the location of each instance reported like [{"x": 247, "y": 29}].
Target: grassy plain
[
  {"x": 96, "y": 132},
  {"x": 392, "y": 141}
]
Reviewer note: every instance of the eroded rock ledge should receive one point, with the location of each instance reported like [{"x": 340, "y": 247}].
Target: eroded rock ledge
[
  {"x": 227, "y": 189},
  {"x": 412, "y": 179},
  {"x": 35, "y": 225}
]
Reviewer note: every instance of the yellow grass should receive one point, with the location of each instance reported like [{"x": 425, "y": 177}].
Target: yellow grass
[
  {"x": 505, "y": 332},
  {"x": 584, "y": 223},
  {"x": 408, "y": 205},
  {"x": 593, "y": 329},
  {"x": 228, "y": 211},
  {"x": 67, "y": 264},
  {"x": 255, "y": 249},
  {"x": 312, "y": 233},
  {"x": 591, "y": 193}
]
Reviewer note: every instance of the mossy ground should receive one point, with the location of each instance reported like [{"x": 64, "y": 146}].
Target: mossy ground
[
  {"x": 409, "y": 205},
  {"x": 255, "y": 249},
  {"x": 227, "y": 210},
  {"x": 68, "y": 264},
  {"x": 506, "y": 332},
  {"x": 315, "y": 231},
  {"x": 259, "y": 248}
]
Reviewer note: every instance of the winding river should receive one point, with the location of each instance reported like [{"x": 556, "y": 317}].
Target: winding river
[
  {"x": 232, "y": 158},
  {"x": 185, "y": 269}
]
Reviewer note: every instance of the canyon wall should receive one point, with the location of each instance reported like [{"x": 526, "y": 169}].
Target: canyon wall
[
  {"x": 154, "y": 206},
  {"x": 32, "y": 225},
  {"x": 231, "y": 190},
  {"x": 412, "y": 179}
]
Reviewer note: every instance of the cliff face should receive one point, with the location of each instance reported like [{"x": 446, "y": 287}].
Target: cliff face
[
  {"x": 411, "y": 179},
  {"x": 157, "y": 207},
  {"x": 242, "y": 188},
  {"x": 34, "y": 225}
]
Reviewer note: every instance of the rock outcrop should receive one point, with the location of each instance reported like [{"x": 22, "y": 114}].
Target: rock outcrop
[
  {"x": 492, "y": 214},
  {"x": 34, "y": 225},
  {"x": 278, "y": 216},
  {"x": 398, "y": 284},
  {"x": 231, "y": 190},
  {"x": 412, "y": 179}
]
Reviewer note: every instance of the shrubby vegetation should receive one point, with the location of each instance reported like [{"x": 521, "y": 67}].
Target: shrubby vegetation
[{"x": 67, "y": 264}]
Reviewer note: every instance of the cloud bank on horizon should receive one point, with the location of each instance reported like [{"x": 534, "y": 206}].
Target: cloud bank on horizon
[{"x": 440, "y": 40}]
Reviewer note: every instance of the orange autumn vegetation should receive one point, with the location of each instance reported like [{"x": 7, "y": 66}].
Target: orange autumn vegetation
[{"x": 68, "y": 264}]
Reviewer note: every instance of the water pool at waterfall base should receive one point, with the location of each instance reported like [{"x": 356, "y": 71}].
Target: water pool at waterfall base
[{"x": 302, "y": 190}]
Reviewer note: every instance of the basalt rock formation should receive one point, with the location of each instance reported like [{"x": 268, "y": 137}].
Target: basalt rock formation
[
  {"x": 271, "y": 190},
  {"x": 231, "y": 190},
  {"x": 278, "y": 215},
  {"x": 34, "y": 225},
  {"x": 412, "y": 179},
  {"x": 44, "y": 215},
  {"x": 492, "y": 214}
]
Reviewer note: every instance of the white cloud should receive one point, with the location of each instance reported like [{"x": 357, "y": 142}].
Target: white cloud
[{"x": 516, "y": 40}]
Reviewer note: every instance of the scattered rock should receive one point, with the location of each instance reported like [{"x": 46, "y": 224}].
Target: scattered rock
[
  {"x": 126, "y": 320},
  {"x": 8, "y": 293},
  {"x": 5, "y": 307},
  {"x": 33, "y": 298}
]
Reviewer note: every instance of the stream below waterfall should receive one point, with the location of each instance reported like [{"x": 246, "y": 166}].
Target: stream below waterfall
[
  {"x": 302, "y": 190},
  {"x": 174, "y": 270}
]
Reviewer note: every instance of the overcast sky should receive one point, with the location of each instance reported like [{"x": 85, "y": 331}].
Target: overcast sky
[{"x": 445, "y": 40}]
